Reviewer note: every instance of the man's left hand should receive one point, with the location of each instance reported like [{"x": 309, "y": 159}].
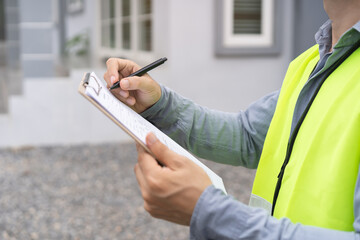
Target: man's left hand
[{"x": 169, "y": 192}]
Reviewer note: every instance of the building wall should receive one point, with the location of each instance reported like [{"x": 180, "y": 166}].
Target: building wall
[
  {"x": 309, "y": 15},
  {"x": 50, "y": 111},
  {"x": 224, "y": 83},
  {"x": 12, "y": 48},
  {"x": 38, "y": 45},
  {"x": 3, "y": 81},
  {"x": 184, "y": 31},
  {"x": 84, "y": 22}
]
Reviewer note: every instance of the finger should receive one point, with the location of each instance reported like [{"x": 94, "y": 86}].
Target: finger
[
  {"x": 144, "y": 187},
  {"x": 139, "y": 177},
  {"x": 124, "y": 93},
  {"x": 139, "y": 148},
  {"x": 112, "y": 73},
  {"x": 162, "y": 153},
  {"x": 107, "y": 80},
  {"x": 148, "y": 164},
  {"x": 129, "y": 100},
  {"x": 121, "y": 67},
  {"x": 121, "y": 92}
]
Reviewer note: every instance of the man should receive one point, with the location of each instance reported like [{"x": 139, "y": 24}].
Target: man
[{"x": 304, "y": 140}]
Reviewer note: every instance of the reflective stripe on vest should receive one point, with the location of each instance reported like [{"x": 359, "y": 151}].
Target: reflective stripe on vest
[{"x": 319, "y": 181}]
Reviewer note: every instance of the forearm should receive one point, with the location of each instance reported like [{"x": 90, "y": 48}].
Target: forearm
[
  {"x": 231, "y": 138},
  {"x": 217, "y": 216}
]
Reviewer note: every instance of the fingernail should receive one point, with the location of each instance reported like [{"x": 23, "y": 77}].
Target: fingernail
[
  {"x": 152, "y": 139},
  {"x": 112, "y": 79},
  {"x": 125, "y": 83}
]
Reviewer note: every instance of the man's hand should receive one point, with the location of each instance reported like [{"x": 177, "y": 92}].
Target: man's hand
[
  {"x": 169, "y": 192},
  {"x": 139, "y": 93}
]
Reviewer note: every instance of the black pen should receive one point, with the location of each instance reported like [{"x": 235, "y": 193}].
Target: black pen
[{"x": 142, "y": 71}]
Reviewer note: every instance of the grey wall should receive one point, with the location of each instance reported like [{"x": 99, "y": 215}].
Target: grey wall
[
  {"x": 12, "y": 33},
  {"x": 2, "y": 20},
  {"x": 3, "y": 85},
  {"x": 37, "y": 28},
  {"x": 12, "y": 74},
  {"x": 309, "y": 16},
  {"x": 3, "y": 81}
]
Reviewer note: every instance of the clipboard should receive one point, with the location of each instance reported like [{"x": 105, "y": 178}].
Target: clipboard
[
  {"x": 94, "y": 90},
  {"x": 82, "y": 90}
]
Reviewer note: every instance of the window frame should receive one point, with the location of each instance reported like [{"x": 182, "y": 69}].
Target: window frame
[
  {"x": 143, "y": 17},
  {"x": 266, "y": 43},
  {"x": 118, "y": 51},
  {"x": 76, "y": 6}
]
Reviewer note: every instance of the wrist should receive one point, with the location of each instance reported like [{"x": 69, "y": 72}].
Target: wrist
[{"x": 157, "y": 106}]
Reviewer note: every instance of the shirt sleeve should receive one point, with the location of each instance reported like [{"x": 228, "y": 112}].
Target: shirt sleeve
[
  {"x": 217, "y": 216},
  {"x": 230, "y": 138}
]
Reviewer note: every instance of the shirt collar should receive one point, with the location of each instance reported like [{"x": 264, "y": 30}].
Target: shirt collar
[
  {"x": 323, "y": 37},
  {"x": 357, "y": 26}
]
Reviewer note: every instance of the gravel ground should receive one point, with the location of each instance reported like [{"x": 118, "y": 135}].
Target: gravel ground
[{"x": 86, "y": 192}]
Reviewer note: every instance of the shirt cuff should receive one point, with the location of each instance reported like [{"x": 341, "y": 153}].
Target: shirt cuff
[{"x": 217, "y": 216}]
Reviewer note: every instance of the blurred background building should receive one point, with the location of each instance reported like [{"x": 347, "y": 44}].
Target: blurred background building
[{"x": 223, "y": 54}]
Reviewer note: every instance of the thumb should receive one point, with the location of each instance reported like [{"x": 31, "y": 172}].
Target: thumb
[
  {"x": 142, "y": 83},
  {"x": 162, "y": 153}
]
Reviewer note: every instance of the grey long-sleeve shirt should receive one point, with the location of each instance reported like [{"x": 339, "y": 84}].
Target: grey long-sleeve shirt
[{"x": 237, "y": 139}]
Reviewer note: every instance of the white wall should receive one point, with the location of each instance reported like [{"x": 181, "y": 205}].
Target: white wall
[
  {"x": 52, "y": 112},
  {"x": 228, "y": 84},
  {"x": 85, "y": 20}
]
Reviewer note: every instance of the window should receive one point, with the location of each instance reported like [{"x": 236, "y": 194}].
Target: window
[
  {"x": 145, "y": 25},
  {"x": 125, "y": 27},
  {"x": 108, "y": 20},
  {"x": 75, "y": 6},
  {"x": 247, "y": 27},
  {"x": 126, "y": 24}
]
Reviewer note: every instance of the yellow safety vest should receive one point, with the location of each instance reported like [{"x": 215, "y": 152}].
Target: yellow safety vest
[{"x": 319, "y": 181}]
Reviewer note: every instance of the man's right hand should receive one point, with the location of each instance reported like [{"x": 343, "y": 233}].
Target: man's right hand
[{"x": 139, "y": 93}]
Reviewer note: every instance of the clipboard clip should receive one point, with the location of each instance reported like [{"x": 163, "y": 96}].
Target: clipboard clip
[
  {"x": 86, "y": 79},
  {"x": 86, "y": 83}
]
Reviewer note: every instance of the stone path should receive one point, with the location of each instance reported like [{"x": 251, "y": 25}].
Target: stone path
[{"x": 86, "y": 192}]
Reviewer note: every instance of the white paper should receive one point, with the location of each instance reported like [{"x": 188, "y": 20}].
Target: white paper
[{"x": 137, "y": 124}]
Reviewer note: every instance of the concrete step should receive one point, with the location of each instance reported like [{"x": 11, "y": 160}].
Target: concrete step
[{"x": 52, "y": 112}]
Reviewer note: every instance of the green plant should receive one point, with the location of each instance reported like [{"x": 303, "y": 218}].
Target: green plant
[{"x": 78, "y": 45}]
